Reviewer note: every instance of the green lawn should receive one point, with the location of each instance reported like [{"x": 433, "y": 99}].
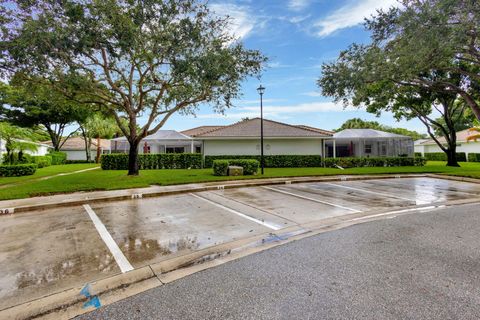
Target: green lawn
[
  {"x": 48, "y": 171},
  {"x": 111, "y": 180}
]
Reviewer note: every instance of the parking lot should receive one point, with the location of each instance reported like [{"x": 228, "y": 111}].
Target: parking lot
[{"x": 44, "y": 252}]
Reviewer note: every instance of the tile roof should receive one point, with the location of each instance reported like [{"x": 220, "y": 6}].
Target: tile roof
[
  {"x": 327, "y": 132},
  {"x": 461, "y": 137},
  {"x": 161, "y": 135},
  {"x": 251, "y": 128},
  {"x": 77, "y": 143},
  {"x": 200, "y": 130}
]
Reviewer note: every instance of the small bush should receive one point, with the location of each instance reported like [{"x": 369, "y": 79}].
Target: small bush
[
  {"x": 17, "y": 170},
  {"x": 119, "y": 161},
  {"x": 474, "y": 157},
  {"x": 250, "y": 166},
  {"x": 418, "y": 154},
  {"x": 220, "y": 167},
  {"x": 274, "y": 161},
  {"x": 58, "y": 157},
  {"x": 42, "y": 161}
]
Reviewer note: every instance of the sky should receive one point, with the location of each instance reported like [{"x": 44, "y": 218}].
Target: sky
[{"x": 297, "y": 36}]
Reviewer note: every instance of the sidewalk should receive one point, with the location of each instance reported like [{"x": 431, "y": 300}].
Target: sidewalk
[{"x": 79, "y": 198}]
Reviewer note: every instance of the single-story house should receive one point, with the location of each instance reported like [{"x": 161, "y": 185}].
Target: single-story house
[
  {"x": 42, "y": 148},
  {"x": 428, "y": 145},
  {"x": 368, "y": 143},
  {"x": 74, "y": 147},
  {"x": 243, "y": 138}
]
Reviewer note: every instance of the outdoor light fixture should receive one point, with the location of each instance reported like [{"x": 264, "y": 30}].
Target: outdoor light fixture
[{"x": 261, "y": 91}]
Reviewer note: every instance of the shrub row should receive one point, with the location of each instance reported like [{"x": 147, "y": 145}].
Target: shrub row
[
  {"x": 474, "y": 157},
  {"x": 119, "y": 161},
  {"x": 374, "y": 162},
  {"x": 250, "y": 166},
  {"x": 58, "y": 157},
  {"x": 41, "y": 161},
  {"x": 17, "y": 170},
  {"x": 442, "y": 156},
  {"x": 274, "y": 161},
  {"x": 78, "y": 161}
]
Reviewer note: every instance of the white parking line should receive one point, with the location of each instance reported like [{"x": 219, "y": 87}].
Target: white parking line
[
  {"x": 107, "y": 238},
  {"x": 377, "y": 193},
  {"x": 422, "y": 209},
  {"x": 312, "y": 199},
  {"x": 263, "y": 223}
]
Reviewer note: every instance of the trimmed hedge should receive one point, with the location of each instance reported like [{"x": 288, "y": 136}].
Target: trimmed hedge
[
  {"x": 17, "y": 170},
  {"x": 58, "y": 157},
  {"x": 78, "y": 161},
  {"x": 220, "y": 167},
  {"x": 374, "y": 162},
  {"x": 250, "y": 166},
  {"x": 442, "y": 156},
  {"x": 42, "y": 161},
  {"x": 418, "y": 154},
  {"x": 474, "y": 157},
  {"x": 274, "y": 161},
  {"x": 119, "y": 161}
]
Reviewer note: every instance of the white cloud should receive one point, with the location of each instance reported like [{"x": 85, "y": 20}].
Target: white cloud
[
  {"x": 242, "y": 21},
  {"x": 298, "y": 5},
  {"x": 350, "y": 15}
]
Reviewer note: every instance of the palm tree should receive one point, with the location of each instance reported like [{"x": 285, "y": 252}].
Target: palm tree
[
  {"x": 17, "y": 140},
  {"x": 98, "y": 127}
]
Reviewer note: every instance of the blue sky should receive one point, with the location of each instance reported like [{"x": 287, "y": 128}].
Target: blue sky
[{"x": 297, "y": 36}]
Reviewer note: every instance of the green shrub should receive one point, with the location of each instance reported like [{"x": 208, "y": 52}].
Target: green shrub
[
  {"x": 442, "y": 156},
  {"x": 78, "y": 161},
  {"x": 474, "y": 157},
  {"x": 58, "y": 157},
  {"x": 17, "y": 158},
  {"x": 220, "y": 167},
  {"x": 41, "y": 161},
  {"x": 374, "y": 162},
  {"x": 418, "y": 154},
  {"x": 17, "y": 170},
  {"x": 250, "y": 166},
  {"x": 274, "y": 161},
  {"x": 119, "y": 161}
]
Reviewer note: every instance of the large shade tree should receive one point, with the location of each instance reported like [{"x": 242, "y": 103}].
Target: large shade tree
[
  {"x": 134, "y": 59},
  {"x": 425, "y": 36}
]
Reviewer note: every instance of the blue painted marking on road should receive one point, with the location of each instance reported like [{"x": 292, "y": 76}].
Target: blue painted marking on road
[
  {"x": 93, "y": 302},
  {"x": 86, "y": 291}
]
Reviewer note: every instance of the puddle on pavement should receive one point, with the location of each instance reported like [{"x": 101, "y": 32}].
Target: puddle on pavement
[
  {"x": 153, "y": 229},
  {"x": 41, "y": 255}
]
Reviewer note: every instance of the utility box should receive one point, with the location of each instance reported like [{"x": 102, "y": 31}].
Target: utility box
[{"x": 235, "y": 171}]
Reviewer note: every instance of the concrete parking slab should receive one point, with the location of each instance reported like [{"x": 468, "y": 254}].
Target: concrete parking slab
[
  {"x": 154, "y": 229},
  {"x": 48, "y": 251}
]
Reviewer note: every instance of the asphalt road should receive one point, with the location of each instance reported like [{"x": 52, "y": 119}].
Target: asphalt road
[{"x": 417, "y": 266}]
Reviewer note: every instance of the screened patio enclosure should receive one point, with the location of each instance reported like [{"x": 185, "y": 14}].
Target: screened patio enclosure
[
  {"x": 163, "y": 141},
  {"x": 368, "y": 143}
]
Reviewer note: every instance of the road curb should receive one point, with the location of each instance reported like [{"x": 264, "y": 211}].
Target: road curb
[{"x": 9, "y": 207}]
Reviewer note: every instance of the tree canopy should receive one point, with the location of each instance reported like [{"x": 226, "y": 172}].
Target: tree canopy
[{"x": 134, "y": 59}]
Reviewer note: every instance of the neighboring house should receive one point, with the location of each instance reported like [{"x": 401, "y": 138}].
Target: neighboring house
[
  {"x": 74, "y": 147},
  {"x": 428, "y": 145},
  {"x": 42, "y": 148},
  {"x": 163, "y": 141},
  {"x": 369, "y": 143}
]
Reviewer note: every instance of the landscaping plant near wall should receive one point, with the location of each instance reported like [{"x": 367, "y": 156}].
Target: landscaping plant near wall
[
  {"x": 41, "y": 161},
  {"x": 119, "y": 161},
  {"x": 474, "y": 157},
  {"x": 442, "y": 156},
  {"x": 17, "y": 170},
  {"x": 274, "y": 161},
  {"x": 250, "y": 166},
  {"x": 374, "y": 162},
  {"x": 58, "y": 157}
]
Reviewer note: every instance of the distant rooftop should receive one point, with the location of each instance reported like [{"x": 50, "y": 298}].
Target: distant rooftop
[{"x": 365, "y": 134}]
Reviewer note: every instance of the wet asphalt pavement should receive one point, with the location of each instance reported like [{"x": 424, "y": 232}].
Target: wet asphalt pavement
[{"x": 416, "y": 266}]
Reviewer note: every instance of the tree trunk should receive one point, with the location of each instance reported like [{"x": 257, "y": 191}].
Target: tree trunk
[
  {"x": 97, "y": 159},
  {"x": 133, "y": 158},
  {"x": 452, "y": 158}
]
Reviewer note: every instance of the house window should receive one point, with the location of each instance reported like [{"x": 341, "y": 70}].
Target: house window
[
  {"x": 198, "y": 149},
  {"x": 175, "y": 149},
  {"x": 368, "y": 148}
]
